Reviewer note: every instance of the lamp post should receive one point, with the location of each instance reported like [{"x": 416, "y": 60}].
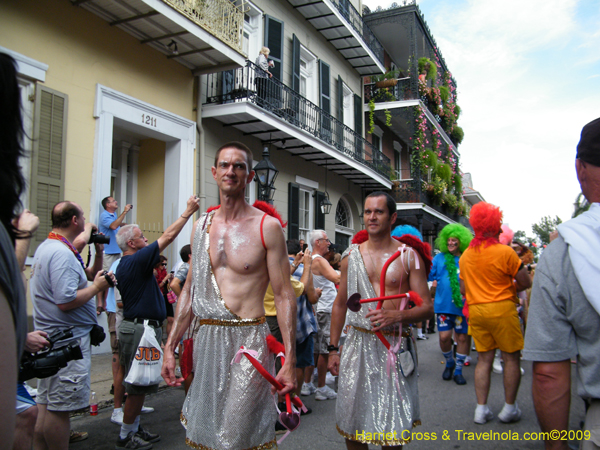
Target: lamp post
[
  {"x": 326, "y": 204},
  {"x": 266, "y": 173}
]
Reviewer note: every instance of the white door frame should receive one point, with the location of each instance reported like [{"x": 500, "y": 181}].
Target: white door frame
[{"x": 179, "y": 134}]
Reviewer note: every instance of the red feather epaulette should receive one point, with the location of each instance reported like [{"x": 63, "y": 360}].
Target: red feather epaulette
[
  {"x": 270, "y": 210},
  {"x": 360, "y": 237},
  {"x": 423, "y": 248},
  {"x": 264, "y": 207}
]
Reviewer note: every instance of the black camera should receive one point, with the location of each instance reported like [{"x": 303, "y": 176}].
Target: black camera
[
  {"x": 48, "y": 363},
  {"x": 96, "y": 238}
]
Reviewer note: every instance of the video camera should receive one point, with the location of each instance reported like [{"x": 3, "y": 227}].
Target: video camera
[{"x": 48, "y": 363}]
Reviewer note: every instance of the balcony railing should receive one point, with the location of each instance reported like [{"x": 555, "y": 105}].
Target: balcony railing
[
  {"x": 246, "y": 85},
  {"x": 221, "y": 18},
  {"x": 402, "y": 91},
  {"x": 355, "y": 20}
]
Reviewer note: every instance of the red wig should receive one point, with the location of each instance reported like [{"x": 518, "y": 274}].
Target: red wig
[{"x": 486, "y": 220}]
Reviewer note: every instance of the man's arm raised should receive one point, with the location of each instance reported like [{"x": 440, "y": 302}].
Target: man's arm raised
[
  {"x": 322, "y": 267},
  {"x": 338, "y": 318},
  {"x": 183, "y": 319},
  {"x": 278, "y": 267},
  {"x": 175, "y": 228},
  {"x": 417, "y": 280}
]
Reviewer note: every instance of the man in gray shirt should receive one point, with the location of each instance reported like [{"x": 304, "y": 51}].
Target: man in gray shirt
[
  {"x": 564, "y": 315},
  {"x": 62, "y": 298}
]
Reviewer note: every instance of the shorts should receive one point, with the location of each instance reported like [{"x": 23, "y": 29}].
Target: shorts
[
  {"x": 69, "y": 389},
  {"x": 24, "y": 400},
  {"x": 130, "y": 335},
  {"x": 323, "y": 331},
  {"x": 108, "y": 260},
  {"x": 495, "y": 325},
  {"x": 449, "y": 322},
  {"x": 304, "y": 353},
  {"x": 112, "y": 329},
  {"x": 592, "y": 424}
]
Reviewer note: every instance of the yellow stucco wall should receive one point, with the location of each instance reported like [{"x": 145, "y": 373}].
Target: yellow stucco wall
[
  {"x": 151, "y": 188},
  {"x": 82, "y": 50}
]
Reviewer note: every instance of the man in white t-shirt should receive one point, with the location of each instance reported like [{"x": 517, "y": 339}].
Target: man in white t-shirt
[{"x": 326, "y": 278}]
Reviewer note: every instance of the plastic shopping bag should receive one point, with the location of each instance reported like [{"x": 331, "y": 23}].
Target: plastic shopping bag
[{"x": 147, "y": 363}]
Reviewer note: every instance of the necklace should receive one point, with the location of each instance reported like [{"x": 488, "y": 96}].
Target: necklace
[{"x": 64, "y": 240}]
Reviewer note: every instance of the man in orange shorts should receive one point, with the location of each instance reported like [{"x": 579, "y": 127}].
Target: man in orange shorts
[{"x": 487, "y": 271}]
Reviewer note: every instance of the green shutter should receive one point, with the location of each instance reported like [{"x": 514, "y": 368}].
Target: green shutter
[
  {"x": 293, "y": 211},
  {"x": 340, "y": 99},
  {"x": 274, "y": 41},
  {"x": 358, "y": 124},
  {"x": 48, "y": 160},
  {"x": 325, "y": 86},
  {"x": 295, "y": 64},
  {"x": 319, "y": 216}
]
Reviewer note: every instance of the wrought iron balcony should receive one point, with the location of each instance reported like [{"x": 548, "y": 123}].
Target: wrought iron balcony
[
  {"x": 247, "y": 85},
  {"x": 403, "y": 90},
  {"x": 221, "y": 18}
]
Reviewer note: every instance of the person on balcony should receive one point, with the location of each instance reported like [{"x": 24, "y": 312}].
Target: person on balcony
[{"x": 263, "y": 74}]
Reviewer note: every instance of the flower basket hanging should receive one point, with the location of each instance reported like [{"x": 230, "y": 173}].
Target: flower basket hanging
[{"x": 386, "y": 83}]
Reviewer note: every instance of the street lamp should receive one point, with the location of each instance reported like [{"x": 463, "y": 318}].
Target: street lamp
[
  {"x": 266, "y": 173},
  {"x": 326, "y": 204}
]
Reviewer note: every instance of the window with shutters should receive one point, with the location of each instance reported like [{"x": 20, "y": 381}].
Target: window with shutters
[
  {"x": 48, "y": 160},
  {"x": 274, "y": 41},
  {"x": 306, "y": 213},
  {"x": 309, "y": 87},
  {"x": 343, "y": 225}
]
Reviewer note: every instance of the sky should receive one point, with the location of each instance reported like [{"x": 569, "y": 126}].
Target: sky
[{"x": 528, "y": 76}]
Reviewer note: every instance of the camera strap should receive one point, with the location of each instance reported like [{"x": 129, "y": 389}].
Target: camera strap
[{"x": 64, "y": 240}]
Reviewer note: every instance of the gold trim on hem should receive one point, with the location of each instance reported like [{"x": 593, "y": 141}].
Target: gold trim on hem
[
  {"x": 234, "y": 323},
  {"x": 392, "y": 442},
  {"x": 268, "y": 445},
  {"x": 385, "y": 333}
]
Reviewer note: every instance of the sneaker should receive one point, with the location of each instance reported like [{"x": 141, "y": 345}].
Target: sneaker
[
  {"x": 422, "y": 338},
  {"x": 31, "y": 391},
  {"x": 482, "y": 417},
  {"x": 146, "y": 435},
  {"x": 78, "y": 436},
  {"x": 329, "y": 379},
  {"x": 497, "y": 366},
  {"x": 325, "y": 393},
  {"x": 117, "y": 416},
  {"x": 508, "y": 417},
  {"x": 132, "y": 441},
  {"x": 147, "y": 409},
  {"x": 308, "y": 389},
  {"x": 308, "y": 411}
]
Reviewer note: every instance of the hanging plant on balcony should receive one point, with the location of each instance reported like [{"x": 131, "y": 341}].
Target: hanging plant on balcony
[
  {"x": 427, "y": 68},
  {"x": 456, "y": 135},
  {"x": 451, "y": 201},
  {"x": 371, "y": 116},
  {"x": 444, "y": 93},
  {"x": 444, "y": 171},
  {"x": 457, "y": 181},
  {"x": 389, "y": 79}
]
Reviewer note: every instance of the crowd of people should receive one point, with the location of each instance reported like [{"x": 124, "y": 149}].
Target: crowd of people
[{"x": 226, "y": 303}]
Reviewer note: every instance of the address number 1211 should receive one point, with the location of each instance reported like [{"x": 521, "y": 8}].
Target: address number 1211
[{"x": 149, "y": 120}]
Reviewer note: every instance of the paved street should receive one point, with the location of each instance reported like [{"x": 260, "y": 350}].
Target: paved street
[{"x": 444, "y": 407}]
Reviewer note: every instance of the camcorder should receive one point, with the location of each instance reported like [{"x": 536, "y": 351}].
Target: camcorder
[
  {"x": 96, "y": 238},
  {"x": 48, "y": 363}
]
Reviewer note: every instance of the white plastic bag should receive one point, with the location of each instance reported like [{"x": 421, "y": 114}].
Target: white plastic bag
[{"x": 147, "y": 363}]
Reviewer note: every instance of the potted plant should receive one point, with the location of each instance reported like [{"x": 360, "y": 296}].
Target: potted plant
[{"x": 389, "y": 79}]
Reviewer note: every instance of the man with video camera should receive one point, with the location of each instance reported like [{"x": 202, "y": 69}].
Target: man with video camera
[{"x": 61, "y": 299}]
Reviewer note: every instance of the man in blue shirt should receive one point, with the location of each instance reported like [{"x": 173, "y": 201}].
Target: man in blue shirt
[
  {"x": 142, "y": 300},
  {"x": 109, "y": 225},
  {"x": 448, "y": 303}
]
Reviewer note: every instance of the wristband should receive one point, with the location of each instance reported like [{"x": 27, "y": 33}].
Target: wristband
[
  {"x": 332, "y": 347},
  {"x": 186, "y": 218}
]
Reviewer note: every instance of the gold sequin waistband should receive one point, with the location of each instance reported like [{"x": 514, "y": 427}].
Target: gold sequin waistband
[
  {"x": 406, "y": 333},
  {"x": 234, "y": 323}
]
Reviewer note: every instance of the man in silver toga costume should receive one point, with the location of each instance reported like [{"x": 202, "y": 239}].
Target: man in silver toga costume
[
  {"x": 236, "y": 250},
  {"x": 374, "y": 407}
]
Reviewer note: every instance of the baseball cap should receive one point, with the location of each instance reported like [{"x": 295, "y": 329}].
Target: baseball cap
[{"x": 588, "y": 149}]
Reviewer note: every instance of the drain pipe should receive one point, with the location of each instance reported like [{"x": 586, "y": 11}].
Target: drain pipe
[{"x": 201, "y": 147}]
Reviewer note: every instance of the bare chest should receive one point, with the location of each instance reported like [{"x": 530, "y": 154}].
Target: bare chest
[
  {"x": 395, "y": 276},
  {"x": 236, "y": 247}
]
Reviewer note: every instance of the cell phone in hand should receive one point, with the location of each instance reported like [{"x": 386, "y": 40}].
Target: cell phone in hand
[{"x": 305, "y": 247}]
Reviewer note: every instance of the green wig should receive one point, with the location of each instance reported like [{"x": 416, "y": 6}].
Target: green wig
[{"x": 457, "y": 231}]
